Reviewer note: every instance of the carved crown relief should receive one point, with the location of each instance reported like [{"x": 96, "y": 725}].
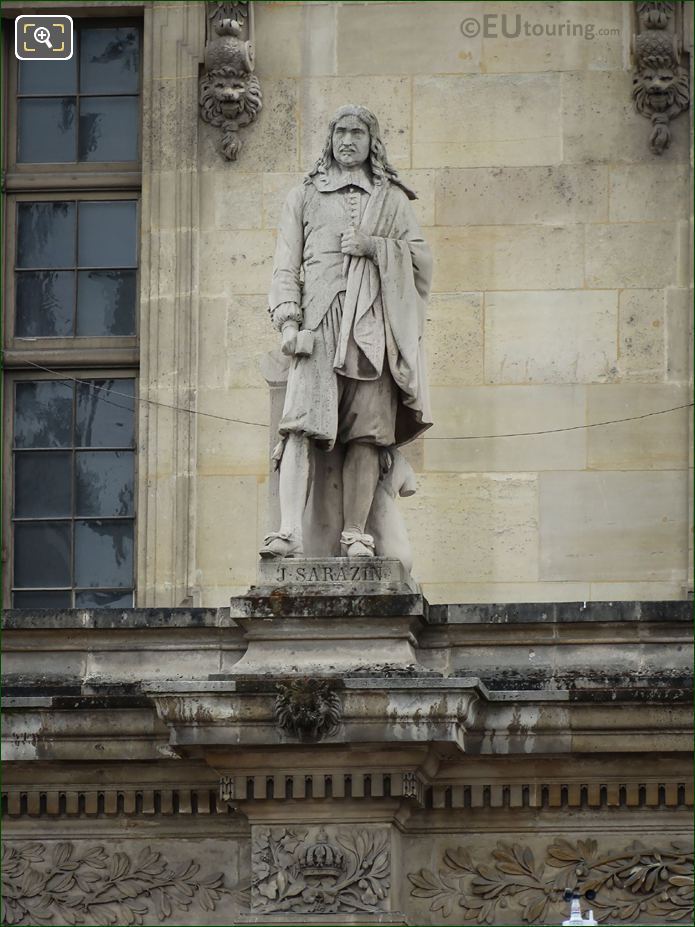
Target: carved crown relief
[
  {"x": 230, "y": 93},
  {"x": 312, "y": 871},
  {"x": 660, "y": 84}
]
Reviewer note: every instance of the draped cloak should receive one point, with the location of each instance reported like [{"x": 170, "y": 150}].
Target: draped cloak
[{"x": 310, "y": 270}]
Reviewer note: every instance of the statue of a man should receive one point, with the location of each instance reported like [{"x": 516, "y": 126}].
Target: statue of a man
[{"x": 350, "y": 282}]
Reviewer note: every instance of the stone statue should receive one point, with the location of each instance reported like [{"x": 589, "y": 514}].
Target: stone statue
[{"x": 350, "y": 282}]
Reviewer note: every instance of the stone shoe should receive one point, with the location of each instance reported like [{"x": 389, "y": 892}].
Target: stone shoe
[
  {"x": 280, "y": 544},
  {"x": 355, "y": 545}
]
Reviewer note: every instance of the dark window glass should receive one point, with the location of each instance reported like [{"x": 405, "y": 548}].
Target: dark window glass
[
  {"x": 42, "y": 554},
  {"x": 91, "y": 598},
  {"x": 110, "y": 60},
  {"x": 108, "y": 129},
  {"x": 105, "y": 414},
  {"x": 43, "y": 414},
  {"x": 73, "y": 511},
  {"x": 42, "y": 484},
  {"x": 46, "y": 235},
  {"x": 45, "y": 301},
  {"x": 84, "y": 109},
  {"x": 47, "y": 131},
  {"x": 42, "y": 599},
  {"x": 104, "y": 553},
  {"x": 47, "y": 304},
  {"x": 48, "y": 77},
  {"x": 104, "y": 483},
  {"x": 106, "y": 302},
  {"x": 107, "y": 234}
]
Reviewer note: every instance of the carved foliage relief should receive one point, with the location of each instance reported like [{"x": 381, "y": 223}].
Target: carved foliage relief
[
  {"x": 310, "y": 871},
  {"x": 63, "y": 884},
  {"x": 511, "y": 886}
]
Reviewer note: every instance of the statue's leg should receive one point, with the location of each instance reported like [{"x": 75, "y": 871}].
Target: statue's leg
[
  {"x": 294, "y": 487},
  {"x": 360, "y": 477}
]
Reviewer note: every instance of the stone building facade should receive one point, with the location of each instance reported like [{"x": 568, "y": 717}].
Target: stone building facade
[{"x": 464, "y": 755}]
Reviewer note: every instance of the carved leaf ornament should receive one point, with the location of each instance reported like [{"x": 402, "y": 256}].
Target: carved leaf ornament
[
  {"x": 632, "y": 884},
  {"x": 346, "y": 874},
  {"x": 91, "y": 886}
]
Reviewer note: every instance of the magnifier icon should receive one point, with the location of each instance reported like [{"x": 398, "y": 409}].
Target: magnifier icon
[{"x": 42, "y": 35}]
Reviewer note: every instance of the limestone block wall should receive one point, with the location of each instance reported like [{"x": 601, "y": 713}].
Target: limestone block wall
[{"x": 559, "y": 300}]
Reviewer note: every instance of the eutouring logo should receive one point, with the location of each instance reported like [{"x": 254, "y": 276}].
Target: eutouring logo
[{"x": 508, "y": 26}]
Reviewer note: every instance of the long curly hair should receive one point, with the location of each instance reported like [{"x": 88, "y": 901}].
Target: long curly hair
[{"x": 381, "y": 169}]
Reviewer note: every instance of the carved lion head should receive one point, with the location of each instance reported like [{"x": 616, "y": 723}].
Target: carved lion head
[{"x": 229, "y": 95}]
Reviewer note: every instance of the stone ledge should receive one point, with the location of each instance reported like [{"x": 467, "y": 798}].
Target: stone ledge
[{"x": 111, "y": 619}]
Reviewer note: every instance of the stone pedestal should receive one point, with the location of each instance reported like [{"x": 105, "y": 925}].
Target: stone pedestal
[{"x": 331, "y": 616}]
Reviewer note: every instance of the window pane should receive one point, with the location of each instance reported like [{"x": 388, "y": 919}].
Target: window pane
[
  {"x": 48, "y": 76},
  {"x": 42, "y": 484},
  {"x": 108, "y": 129},
  {"x": 104, "y": 553},
  {"x": 90, "y": 598},
  {"x": 105, "y": 419},
  {"x": 43, "y": 414},
  {"x": 107, "y": 234},
  {"x": 109, "y": 60},
  {"x": 42, "y": 554},
  {"x": 45, "y": 301},
  {"x": 106, "y": 302},
  {"x": 46, "y": 235},
  {"x": 42, "y": 599},
  {"x": 104, "y": 482},
  {"x": 47, "y": 131}
]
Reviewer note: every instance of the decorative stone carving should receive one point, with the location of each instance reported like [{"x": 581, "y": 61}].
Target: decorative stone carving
[
  {"x": 630, "y": 883},
  {"x": 660, "y": 85},
  {"x": 230, "y": 93},
  {"x": 90, "y": 885},
  {"x": 307, "y": 708},
  {"x": 316, "y": 872}
]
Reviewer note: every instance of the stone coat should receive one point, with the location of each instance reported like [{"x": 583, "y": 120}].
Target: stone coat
[{"x": 309, "y": 270}]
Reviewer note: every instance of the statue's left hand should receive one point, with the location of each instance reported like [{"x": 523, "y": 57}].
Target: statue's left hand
[{"x": 355, "y": 243}]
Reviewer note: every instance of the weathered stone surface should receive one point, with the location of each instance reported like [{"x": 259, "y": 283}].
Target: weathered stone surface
[
  {"x": 482, "y": 120},
  {"x": 613, "y": 526},
  {"x": 639, "y": 193},
  {"x": 550, "y": 195},
  {"x": 534, "y": 257},
  {"x": 631, "y": 255},
  {"x": 641, "y": 335},
  {"x": 578, "y": 331},
  {"x": 659, "y": 442},
  {"x": 455, "y": 339},
  {"x": 504, "y": 410},
  {"x": 295, "y": 39},
  {"x": 334, "y": 576},
  {"x": 679, "y": 334}
]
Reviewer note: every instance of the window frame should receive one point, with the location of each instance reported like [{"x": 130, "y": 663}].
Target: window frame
[
  {"x": 18, "y": 169},
  {"x": 75, "y": 343},
  {"x": 81, "y": 357},
  {"x": 12, "y": 377}
]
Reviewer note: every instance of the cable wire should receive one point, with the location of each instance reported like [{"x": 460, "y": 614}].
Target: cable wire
[{"x": 241, "y": 421}]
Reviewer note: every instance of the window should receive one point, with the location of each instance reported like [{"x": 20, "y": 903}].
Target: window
[
  {"x": 73, "y": 512},
  {"x": 84, "y": 109},
  {"x": 71, "y": 322}
]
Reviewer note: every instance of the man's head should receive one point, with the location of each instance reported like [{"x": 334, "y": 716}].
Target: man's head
[{"x": 350, "y": 141}]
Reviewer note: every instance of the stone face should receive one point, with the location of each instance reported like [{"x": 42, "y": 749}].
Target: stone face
[
  {"x": 613, "y": 526},
  {"x": 485, "y": 119},
  {"x": 579, "y": 343}
]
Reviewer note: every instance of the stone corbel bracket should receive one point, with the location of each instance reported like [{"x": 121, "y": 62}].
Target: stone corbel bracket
[
  {"x": 230, "y": 93},
  {"x": 661, "y": 88}
]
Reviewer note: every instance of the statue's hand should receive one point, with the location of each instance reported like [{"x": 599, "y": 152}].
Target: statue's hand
[
  {"x": 357, "y": 244},
  {"x": 289, "y": 338}
]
